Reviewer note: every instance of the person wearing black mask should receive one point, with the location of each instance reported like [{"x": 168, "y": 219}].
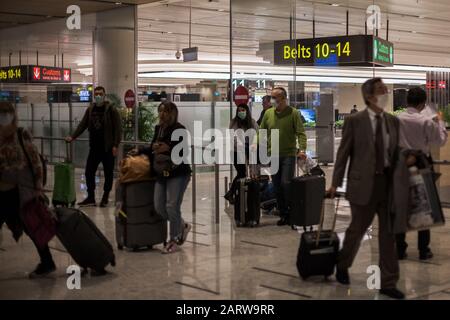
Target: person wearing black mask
[{"x": 105, "y": 134}]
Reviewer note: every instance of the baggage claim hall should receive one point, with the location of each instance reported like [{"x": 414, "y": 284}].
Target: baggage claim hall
[{"x": 96, "y": 89}]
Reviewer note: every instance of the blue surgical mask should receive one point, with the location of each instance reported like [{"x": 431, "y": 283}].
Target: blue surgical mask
[
  {"x": 99, "y": 100},
  {"x": 242, "y": 115}
]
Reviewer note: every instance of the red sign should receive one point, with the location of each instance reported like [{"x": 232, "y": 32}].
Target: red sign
[
  {"x": 241, "y": 95},
  {"x": 67, "y": 75},
  {"x": 36, "y": 73},
  {"x": 432, "y": 84},
  {"x": 130, "y": 98}
]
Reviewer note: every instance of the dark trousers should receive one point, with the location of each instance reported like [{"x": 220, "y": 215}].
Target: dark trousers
[
  {"x": 240, "y": 174},
  {"x": 423, "y": 241},
  {"x": 96, "y": 157},
  {"x": 281, "y": 183},
  {"x": 362, "y": 218},
  {"x": 9, "y": 209}
]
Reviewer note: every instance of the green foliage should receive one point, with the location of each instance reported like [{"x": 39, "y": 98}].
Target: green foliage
[
  {"x": 445, "y": 113},
  {"x": 398, "y": 112},
  {"x": 339, "y": 124},
  {"x": 148, "y": 117}
]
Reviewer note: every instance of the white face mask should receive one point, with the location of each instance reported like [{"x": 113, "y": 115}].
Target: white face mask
[
  {"x": 6, "y": 119},
  {"x": 274, "y": 103},
  {"x": 383, "y": 101}
]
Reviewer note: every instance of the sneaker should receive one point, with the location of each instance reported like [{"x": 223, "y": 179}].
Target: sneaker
[
  {"x": 171, "y": 247},
  {"x": 187, "y": 228},
  {"x": 105, "y": 201},
  {"x": 42, "y": 270},
  {"x": 88, "y": 202},
  {"x": 393, "y": 293},
  {"x": 426, "y": 255}
]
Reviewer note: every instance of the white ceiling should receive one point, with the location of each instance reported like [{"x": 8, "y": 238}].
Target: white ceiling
[{"x": 420, "y": 30}]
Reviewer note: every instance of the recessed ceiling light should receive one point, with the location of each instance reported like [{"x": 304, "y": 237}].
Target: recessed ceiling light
[
  {"x": 48, "y": 16},
  {"x": 414, "y": 31},
  {"x": 170, "y": 32},
  {"x": 421, "y": 17},
  {"x": 335, "y": 5},
  {"x": 221, "y": 10},
  {"x": 118, "y": 3}
]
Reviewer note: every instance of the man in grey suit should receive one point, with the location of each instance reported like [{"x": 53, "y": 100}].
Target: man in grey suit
[{"x": 369, "y": 143}]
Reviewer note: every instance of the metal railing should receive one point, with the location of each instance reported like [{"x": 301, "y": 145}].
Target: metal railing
[{"x": 120, "y": 156}]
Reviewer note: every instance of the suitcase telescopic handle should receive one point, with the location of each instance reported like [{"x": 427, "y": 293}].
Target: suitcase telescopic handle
[
  {"x": 322, "y": 218},
  {"x": 68, "y": 152}
]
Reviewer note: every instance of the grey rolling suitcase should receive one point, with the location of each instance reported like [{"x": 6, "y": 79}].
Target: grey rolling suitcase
[
  {"x": 137, "y": 223},
  {"x": 83, "y": 240}
]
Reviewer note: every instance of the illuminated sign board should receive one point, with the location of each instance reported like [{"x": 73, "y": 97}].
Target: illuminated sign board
[
  {"x": 358, "y": 50},
  {"x": 35, "y": 74},
  {"x": 18, "y": 74}
]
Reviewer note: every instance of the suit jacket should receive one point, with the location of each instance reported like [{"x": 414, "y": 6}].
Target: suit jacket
[{"x": 358, "y": 147}]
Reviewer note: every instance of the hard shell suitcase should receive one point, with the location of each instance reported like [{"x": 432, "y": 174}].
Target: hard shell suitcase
[
  {"x": 247, "y": 211},
  {"x": 137, "y": 223},
  {"x": 83, "y": 240},
  {"x": 318, "y": 251},
  {"x": 307, "y": 194},
  {"x": 64, "y": 183}
]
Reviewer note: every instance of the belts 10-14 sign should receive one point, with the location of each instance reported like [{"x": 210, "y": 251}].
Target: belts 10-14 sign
[{"x": 359, "y": 50}]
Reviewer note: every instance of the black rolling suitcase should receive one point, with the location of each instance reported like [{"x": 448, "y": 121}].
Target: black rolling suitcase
[
  {"x": 137, "y": 223},
  {"x": 317, "y": 254},
  {"x": 307, "y": 194},
  {"x": 83, "y": 240},
  {"x": 247, "y": 211}
]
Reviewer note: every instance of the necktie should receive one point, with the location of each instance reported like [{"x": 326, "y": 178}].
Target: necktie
[{"x": 379, "y": 146}]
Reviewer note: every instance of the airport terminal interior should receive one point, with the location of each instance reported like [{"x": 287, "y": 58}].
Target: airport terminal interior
[{"x": 208, "y": 56}]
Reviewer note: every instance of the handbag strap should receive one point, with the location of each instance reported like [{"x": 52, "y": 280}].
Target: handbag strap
[{"x": 22, "y": 145}]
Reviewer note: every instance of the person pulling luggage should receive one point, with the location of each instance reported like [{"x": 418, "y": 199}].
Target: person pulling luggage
[
  {"x": 292, "y": 144},
  {"x": 105, "y": 134},
  {"x": 171, "y": 179},
  {"x": 16, "y": 182},
  {"x": 242, "y": 121}
]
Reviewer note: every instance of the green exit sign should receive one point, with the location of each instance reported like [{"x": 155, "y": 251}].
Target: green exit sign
[{"x": 383, "y": 52}]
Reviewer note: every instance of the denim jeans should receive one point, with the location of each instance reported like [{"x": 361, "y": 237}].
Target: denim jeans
[
  {"x": 169, "y": 194},
  {"x": 281, "y": 182}
]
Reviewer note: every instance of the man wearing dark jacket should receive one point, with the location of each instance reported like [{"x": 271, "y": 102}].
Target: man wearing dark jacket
[{"x": 105, "y": 133}]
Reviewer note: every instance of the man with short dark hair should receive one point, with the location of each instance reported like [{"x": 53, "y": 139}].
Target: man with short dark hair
[
  {"x": 369, "y": 143},
  {"x": 354, "y": 110},
  {"x": 419, "y": 132},
  {"x": 266, "y": 105},
  {"x": 105, "y": 134},
  {"x": 292, "y": 144}
]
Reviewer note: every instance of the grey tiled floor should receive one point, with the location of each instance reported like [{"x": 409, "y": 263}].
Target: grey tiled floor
[{"x": 218, "y": 262}]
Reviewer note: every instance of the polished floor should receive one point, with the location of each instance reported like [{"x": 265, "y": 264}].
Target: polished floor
[{"x": 219, "y": 261}]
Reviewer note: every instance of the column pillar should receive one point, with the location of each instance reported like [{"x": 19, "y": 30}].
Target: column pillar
[{"x": 115, "y": 51}]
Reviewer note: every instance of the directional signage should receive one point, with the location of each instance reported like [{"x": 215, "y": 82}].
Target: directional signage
[
  {"x": 35, "y": 74},
  {"x": 358, "y": 50}
]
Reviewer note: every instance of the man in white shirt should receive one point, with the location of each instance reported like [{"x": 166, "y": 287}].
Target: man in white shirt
[{"x": 419, "y": 131}]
